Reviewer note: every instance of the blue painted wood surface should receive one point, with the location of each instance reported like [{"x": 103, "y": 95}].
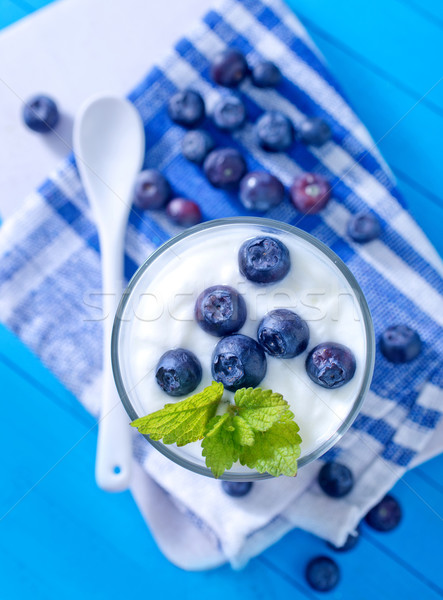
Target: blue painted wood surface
[
  {"x": 10, "y": 12},
  {"x": 65, "y": 538}
]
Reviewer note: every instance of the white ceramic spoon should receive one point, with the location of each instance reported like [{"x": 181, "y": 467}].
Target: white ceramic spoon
[{"x": 109, "y": 144}]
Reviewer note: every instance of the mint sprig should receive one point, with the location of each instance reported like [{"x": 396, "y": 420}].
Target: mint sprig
[{"x": 258, "y": 429}]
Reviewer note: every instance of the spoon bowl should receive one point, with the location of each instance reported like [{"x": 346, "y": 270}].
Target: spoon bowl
[{"x": 109, "y": 147}]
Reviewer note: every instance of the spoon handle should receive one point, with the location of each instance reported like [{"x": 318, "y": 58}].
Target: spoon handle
[{"x": 114, "y": 455}]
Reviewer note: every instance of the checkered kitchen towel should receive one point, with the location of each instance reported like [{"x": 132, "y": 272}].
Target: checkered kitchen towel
[{"x": 50, "y": 263}]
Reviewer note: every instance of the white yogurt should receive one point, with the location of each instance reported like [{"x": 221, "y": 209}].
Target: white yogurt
[{"x": 163, "y": 318}]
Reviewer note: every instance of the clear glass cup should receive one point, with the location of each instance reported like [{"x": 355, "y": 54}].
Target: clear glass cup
[{"x": 159, "y": 259}]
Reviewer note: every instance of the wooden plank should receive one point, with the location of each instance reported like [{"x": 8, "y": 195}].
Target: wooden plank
[
  {"x": 381, "y": 33},
  {"x": 366, "y": 572},
  {"x": 33, "y": 5},
  {"x": 69, "y": 539},
  {"x": 404, "y": 568},
  {"x": 19, "y": 358},
  {"x": 432, "y": 471},
  {"x": 369, "y": 571},
  {"x": 429, "y": 9},
  {"x": 422, "y": 523},
  {"x": 424, "y": 209},
  {"x": 10, "y": 12}
]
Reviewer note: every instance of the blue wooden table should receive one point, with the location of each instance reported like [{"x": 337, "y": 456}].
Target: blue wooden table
[{"x": 62, "y": 537}]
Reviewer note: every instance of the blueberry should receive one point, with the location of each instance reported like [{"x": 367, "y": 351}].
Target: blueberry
[
  {"x": 236, "y": 489},
  {"x": 330, "y": 365},
  {"x": 400, "y": 344},
  {"x": 363, "y": 227},
  {"x": 261, "y": 191},
  {"x": 178, "y": 372},
  {"x": 40, "y": 113},
  {"x": 264, "y": 260},
  {"x": 184, "y": 212},
  {"x": 322, "y": 573},
  {"x": 350, "y": 543},
  {"x": 275, "y": 132},
  {"x": 238, "y": 361},
  {"x": 229, "y": 113},
  {"x": 229, "y": 68},
  {"x": 310, "y": 193},
  {"x": 220, "y": 310},
  {"x": 335, "y": 479},
  {"x": 225, "y": 167},
  {"x": 151, "y": 190},
  {"x": 187, "y": 108},
  {"x": 196, "y": 145},
  {"x": 283, "y": 334},
  {"x": 266, "y": 74},
  {"x": 314, "y": 131},
  {"x": 385, "y": 515}
]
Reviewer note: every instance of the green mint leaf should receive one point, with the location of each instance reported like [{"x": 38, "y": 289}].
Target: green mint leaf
[
  {"x": 243, "y": 433},
  {"x": 260, "y": 408},
  {"x": 185, "y": 421},
  {"x": 219, "y": 446},
  {"x": 276, "y": 450}
]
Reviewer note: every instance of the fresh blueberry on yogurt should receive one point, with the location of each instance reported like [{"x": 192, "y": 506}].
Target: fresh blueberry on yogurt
[
  {"x": 225, "y": 167},
  {"x": 220, "y": 310},
  {"x": 400, "y": 344},
  {"x": 264, "y": 260},
  {"x": 229, "y": 68},
  {"x": 238, "y": 361},
  {"x": 322, "y": 573},
  {"x": 335, "y": 479},
  {"x": 187, "y": 108},
  {"x": 229, "y": 113},
  {"x": 151, "y": 190},
  {"x": 330, "y": 365},
  {"x": 178, "y": 372},
  {"x": 40, "y": 113},
  {"x": 363, "y": 228},
  {"x": 266, "y": 74},
  {"x": 196, "y": 145},
  {"x": 314, "y": 131},
  {"x": 310, "y": 193},
  {"x": 275, "y": 132},
  {"x": 283, "y": 333},
  {"x": 261, "y": 191}
]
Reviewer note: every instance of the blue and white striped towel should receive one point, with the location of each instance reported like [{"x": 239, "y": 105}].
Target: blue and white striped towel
[{"x": 50, "y": 265}]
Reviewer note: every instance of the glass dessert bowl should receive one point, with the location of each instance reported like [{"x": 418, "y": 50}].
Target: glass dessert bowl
[{"x": 158, "y": 313}]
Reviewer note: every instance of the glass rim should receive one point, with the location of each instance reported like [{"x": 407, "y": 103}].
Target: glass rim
[{"x": 263, "y": 222}]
